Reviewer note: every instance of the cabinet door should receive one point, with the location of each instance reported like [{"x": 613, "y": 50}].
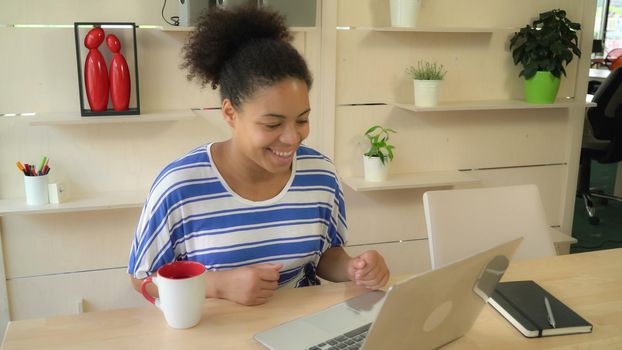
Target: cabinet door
[{"x": 46, "y": 296}]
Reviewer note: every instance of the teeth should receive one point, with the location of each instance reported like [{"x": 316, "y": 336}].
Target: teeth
[{"x": 282, "y": 154}]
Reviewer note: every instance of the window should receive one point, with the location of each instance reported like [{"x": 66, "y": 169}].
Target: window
[
  {"x": 613, "y": 23},
  {"x": 599, "y": 23}
]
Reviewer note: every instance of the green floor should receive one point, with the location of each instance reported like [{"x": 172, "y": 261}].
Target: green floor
[{"x": 608, "y": 233}]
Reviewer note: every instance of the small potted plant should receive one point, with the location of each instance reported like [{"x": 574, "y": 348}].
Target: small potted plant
[
  {"x": 427, "y": 77},
  {"x": 543, "y": 49},
  {"x": 380, "y": 153}
]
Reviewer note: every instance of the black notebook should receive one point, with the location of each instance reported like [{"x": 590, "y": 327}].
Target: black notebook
[{"x": 523, "y": 304}]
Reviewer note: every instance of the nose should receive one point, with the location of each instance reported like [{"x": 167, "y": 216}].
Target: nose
[{"x": 290, "y": 135}]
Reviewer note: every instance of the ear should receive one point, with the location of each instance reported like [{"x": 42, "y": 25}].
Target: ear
[{"x": 229, "y": 112}]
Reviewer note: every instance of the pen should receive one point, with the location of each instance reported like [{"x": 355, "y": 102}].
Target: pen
[
  {"x": 20, "y": 166},
  {"x": 42, "y": 163},
  {"x": 549, "y": 313}
]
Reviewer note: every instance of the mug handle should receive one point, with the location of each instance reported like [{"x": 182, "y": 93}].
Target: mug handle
[{"x": 143, "y": 290}]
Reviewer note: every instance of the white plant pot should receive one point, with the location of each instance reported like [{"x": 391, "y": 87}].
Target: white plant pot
[
  {"x": 375, "y": 171},
  {"x": 426, "y": 92},
  {"x": 404, "y": 12}
]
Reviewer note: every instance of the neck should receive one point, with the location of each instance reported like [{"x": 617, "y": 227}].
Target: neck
[{"x": 245, "y": 177}]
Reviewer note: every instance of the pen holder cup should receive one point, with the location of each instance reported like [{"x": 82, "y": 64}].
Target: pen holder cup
[{"x": 36, "y": 189}]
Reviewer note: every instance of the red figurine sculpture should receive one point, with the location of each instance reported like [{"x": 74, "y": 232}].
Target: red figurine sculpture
[
  {"x": 95, "y": 71},
  {"x": 119, "y": 76}
]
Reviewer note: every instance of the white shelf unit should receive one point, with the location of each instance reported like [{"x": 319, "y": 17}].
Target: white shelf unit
[
  {"x": 493, "y": 105},
  {"x": 94, "y": 201},
  {"x": 428, "y": 179},
  {"x": 482, "y": 30},
  {"x": 74, "y": 118}
]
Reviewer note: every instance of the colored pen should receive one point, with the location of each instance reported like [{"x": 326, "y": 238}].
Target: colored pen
[
  {"x": 20, "y": 166},
  {"x": 549, "y": 313},
  {"x": 43, "y": 161}
]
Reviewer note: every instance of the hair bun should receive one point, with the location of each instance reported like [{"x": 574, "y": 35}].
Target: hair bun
[{"x": 220, "y": 33}]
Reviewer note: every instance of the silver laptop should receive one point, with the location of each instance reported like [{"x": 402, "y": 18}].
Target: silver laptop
[{"x": 423, "y": 312}]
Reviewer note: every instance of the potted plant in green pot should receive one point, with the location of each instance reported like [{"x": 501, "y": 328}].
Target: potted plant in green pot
[
  {"x": 543, "y": 49},
  {"x": 427, "y": 78},
  {"x": 380, "y": 153}
]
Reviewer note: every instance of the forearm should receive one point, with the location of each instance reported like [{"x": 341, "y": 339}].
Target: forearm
[{"x": 333, "y": 265}]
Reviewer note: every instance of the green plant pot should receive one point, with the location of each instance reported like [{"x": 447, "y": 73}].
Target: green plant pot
[{"x": 541, "y": 88}]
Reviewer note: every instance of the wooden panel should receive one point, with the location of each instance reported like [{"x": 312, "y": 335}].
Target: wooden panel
[
  {"x": 60, "y": 294},
  {"x": 69, "y": 11},
  {"x": 401, "y": 257},
  {"x": 49, "y": 57},
  {"x": 109, "y": 157},
  {"x": 454, "y": 12},
  {"x": 56, "y": 243},
  {"x": 453, "y": 140},
  {"x": 51, "y": 60},
  {"x": 479, "y": 65},
  {"x": 4, "y": 298},
  {"x": 384, "y": 216},
  {"x": 489, "y": 73},
  {"x": 547, "y": 178}
]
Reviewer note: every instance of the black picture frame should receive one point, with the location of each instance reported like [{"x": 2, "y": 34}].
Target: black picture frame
[{"x": 126, "y": 32}]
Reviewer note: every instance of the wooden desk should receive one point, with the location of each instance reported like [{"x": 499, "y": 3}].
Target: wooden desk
[{"x": 591, "y": 283}]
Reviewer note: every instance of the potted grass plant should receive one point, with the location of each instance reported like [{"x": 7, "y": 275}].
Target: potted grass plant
[
  {"x": 380, "y": 153},
  {"x": 543, "y": 49},
  {"x": 427, "y": 77}
]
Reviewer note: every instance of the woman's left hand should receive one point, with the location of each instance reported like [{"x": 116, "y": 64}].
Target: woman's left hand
[{"x": 369, "y": 270}]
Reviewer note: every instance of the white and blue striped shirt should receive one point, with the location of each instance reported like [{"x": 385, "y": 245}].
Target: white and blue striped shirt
[{"x": 192, "y": 214}]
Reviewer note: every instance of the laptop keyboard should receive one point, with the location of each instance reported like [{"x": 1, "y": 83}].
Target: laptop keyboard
[{"x": 351, "y": 340}]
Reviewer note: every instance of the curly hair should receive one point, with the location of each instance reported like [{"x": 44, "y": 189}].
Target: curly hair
[{"x": 242, "y": 50}]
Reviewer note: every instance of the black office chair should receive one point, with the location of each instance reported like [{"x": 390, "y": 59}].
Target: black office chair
[{"x": 602, "y": 139}]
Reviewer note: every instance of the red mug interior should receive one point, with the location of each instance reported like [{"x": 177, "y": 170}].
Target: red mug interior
[{"x": 181, "y": 270}]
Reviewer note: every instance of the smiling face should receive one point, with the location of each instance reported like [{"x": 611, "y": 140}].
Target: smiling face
[{"x": 270, "y": 126}]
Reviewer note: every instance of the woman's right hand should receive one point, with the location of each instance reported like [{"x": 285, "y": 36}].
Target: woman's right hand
[{"x": 248, "y": 285}]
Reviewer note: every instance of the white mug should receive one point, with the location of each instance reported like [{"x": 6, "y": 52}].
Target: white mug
[{"x": 181, "y": 286}]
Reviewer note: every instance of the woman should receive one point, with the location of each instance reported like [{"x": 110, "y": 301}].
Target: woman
[{"x": 260, "y": 210}]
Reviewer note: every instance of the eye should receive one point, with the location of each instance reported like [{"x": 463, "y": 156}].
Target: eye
[
  {"x": 303, "y": 121},
  {"x": 272, "y": 126}
]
